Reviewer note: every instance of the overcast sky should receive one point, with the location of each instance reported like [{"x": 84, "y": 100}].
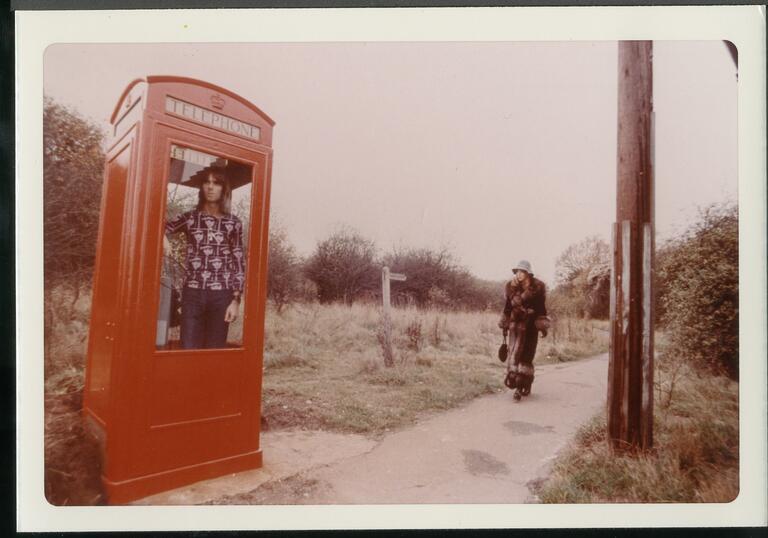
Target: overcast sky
[{"x": 500, "y": 151}]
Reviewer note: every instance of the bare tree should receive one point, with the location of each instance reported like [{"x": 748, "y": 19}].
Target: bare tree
[
  {"x": 581, "y": 257},
  {"x": 284, "y": 272},
  {"x": 582, "y": 273}
]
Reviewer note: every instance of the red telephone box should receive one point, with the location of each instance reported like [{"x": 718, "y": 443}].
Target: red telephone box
[{"x": 168, "y": 416}]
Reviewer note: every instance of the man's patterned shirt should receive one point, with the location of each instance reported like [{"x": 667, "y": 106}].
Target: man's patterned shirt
[{"x": 215, "y": 255}]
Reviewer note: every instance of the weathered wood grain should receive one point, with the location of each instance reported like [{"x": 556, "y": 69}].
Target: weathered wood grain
[{"x": 630, "y": 383}]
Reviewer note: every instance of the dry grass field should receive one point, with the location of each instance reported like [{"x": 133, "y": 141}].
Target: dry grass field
[
  {"x": 323, "y": 365},
  {"x": 323, "y": 368}
]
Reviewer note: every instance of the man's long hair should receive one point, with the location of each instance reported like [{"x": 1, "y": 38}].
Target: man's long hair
[{"x": 225, "y": 203}]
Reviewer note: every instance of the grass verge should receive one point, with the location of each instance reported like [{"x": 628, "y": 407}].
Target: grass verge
[{"x": 695, "y": 456}]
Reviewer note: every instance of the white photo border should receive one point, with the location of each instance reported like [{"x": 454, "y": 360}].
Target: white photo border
[{"x": 742, "y": 25}]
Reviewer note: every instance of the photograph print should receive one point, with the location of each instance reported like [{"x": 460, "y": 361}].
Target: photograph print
[{"x": 391, "y": 273}]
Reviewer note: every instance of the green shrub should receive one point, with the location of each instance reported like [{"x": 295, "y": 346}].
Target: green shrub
[{"x": 698, "y": 290}]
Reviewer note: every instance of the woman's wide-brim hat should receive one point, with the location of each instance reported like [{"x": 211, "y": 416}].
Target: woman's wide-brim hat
[
  {"x": 523, "y": 265},
  {"x": 237, "y": 174}
]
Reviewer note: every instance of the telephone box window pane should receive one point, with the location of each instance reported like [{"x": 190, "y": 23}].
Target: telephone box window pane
[{"x": 205, "y": 256}]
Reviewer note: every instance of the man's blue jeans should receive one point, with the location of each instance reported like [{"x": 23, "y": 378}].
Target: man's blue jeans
[{"x": 202, "y": 318}]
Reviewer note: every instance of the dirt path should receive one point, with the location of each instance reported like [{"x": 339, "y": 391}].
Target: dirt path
[{"x": 488, "y": 451}]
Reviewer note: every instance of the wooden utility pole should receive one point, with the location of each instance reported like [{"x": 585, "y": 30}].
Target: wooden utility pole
[
  {"x": 386, "y": 276},
  {"x": 630, "y": 371}
]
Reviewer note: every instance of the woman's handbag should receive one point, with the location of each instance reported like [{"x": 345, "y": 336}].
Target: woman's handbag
[{"x": 503, "y": 349}]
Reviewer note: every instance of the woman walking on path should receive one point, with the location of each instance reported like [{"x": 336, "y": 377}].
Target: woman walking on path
[{"x": 525, "y": 314}]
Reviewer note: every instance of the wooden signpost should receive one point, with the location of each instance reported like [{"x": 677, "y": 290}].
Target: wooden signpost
[
  {"x": 386, "y": 277},
  {"x": 630, "y": 371}
]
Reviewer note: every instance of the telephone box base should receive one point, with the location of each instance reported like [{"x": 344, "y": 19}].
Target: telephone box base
[{"x": 136, "y": 488}]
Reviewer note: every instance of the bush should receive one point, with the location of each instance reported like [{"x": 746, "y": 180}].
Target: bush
[
  {"x": 568, "y": 300},
  {"x": 435, "y": 279},
  {"x": 73, "y": 167},
  {"x": 343, "y": 267},
  {"x": 582, "y": 274},
  {"x": 284, "y": 269},
  {"x": 698, "y": 290}
]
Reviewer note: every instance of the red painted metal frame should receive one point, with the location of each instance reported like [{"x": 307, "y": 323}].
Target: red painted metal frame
[{"x": 169, "y": 418}]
